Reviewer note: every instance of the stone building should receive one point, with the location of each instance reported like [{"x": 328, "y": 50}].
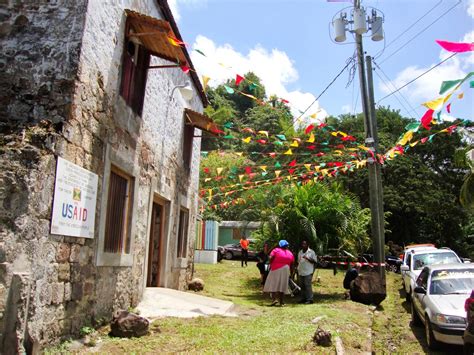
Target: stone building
[{"x": 92, "y": 98}]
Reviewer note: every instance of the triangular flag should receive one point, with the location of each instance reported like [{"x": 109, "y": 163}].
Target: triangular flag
[
  {"x": 460, "y": 96},
  {"x": 427, "y": 118},
  {"x": 292, "y": 163},
  {"x": 308, "y": 166},
  {"x": 185, "y": 69},
  {"x": 448, "y": 108},
  {"x": 219, "y": 170},
  {"x": 252, "y": 86},
  {"x": 263, "y": 167},
  {"x": 241, "y": 177},
  {"x": 414, "y": 126},
  {"x": 447, "y": 85},
  {"x": 175, "y": 42},
  {"x": 309, "y": 129},
  {"x": 281, "y": 137},
  {"x": 200, "y": 52},
  {"x": 273, "y": 155},
  {"x": 205, "y": 80},
  {"x": 247, "y": 140},
  {"x": 238, "y": 79},
  {"x": 229, "y": 89},
  {"x": 263, "y": 132},
  {"x": 277, "y": 173},
  {"x": 291, "y": 171},
  {"x": 277, "y": 164},
  {"x": 294, "y": 144},
  {"x": 311, "y": 138},
  {"x": 456, "y": 47},
  {"x": 239, "y": 153},
  {"x": 434, "y": 104},
  {"x": 288, "y": 152}
]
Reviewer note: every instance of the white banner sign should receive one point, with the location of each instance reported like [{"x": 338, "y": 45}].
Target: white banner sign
[{"x": 75, "y": 196}]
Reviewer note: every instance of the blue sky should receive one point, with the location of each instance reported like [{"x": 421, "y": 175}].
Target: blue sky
[{"x": 288, "y": 44}]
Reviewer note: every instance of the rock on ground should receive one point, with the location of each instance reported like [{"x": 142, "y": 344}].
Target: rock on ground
[
  {"x": 368, "y": 289},
  {"x": 126, "y": 325}
]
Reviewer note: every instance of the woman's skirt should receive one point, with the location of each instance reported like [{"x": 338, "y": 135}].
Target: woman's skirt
[{"x": 277, "y": 280}]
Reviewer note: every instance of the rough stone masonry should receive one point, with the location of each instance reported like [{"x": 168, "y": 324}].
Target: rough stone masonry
[{"x": 60, "y": 65}]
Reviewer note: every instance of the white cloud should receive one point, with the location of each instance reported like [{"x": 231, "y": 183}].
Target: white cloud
[
  {"x": 275, "y": 69},
  {"x": 173, "y": 4},
  {"x": 427, "y": 87},
  {"x": 346, "y": 109},
  {"x": 470, "y": 8}
]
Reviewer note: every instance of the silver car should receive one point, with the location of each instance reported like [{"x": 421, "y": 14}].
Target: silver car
[
  {"x": 416, "y": 260},
  {"x": 438, "y": 302}
]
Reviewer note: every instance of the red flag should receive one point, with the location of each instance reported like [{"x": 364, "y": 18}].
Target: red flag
[
  {"x": 248, "y": 170},
  {"x": 423, "y": 140},
  {"x": 309, "y": 129},
  {"x": 427, "y": 118},
  {"x": 311, "y": 147},
  {"x": 456, "y": 47},
  {"x": 285, "y": 101},
  {"x": 185, "y": 69},
  {"x": 238, "y": 79},
  {"x": 448, "y": 108},
  {"x": 206, "y": 170},
  {"x": 273, "y": 155},
  {"x": 291, "y": 171},
  {"x": 293, "y": 163}
]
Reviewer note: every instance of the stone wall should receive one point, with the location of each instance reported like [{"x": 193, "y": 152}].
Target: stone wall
[{"x": 60, "y": 288}]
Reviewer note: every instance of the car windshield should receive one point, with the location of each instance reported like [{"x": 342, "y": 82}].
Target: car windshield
[
  {"x": 448, "y": 282},
  {"x": 422, "y": 260}
]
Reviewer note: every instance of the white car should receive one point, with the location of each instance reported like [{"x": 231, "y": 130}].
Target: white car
[
  {"x": 416, "y": 260},
  {"x": 438, "y": 302}
]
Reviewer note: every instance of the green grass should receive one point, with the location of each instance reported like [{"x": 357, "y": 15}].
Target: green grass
[{"x": 262, "y": 329}]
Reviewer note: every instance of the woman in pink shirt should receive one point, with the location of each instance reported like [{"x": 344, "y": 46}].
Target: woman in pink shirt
[{"x": 277, "y": 281}]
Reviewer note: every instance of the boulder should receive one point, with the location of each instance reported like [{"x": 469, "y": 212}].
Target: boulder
[
  {"x": 196, "y": 284},
  {"x": 322, "y": 337},
  {"x": 368, "y": 289},
  {"x": 126, "y": 325}
]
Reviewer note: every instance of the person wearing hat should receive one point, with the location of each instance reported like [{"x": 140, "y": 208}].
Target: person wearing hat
[{"x": 281, "y": 259}]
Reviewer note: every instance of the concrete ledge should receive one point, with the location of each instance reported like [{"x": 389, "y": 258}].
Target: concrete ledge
[
  {"x": 161, "y": 302},
  {"x": 205, "y": 256}
]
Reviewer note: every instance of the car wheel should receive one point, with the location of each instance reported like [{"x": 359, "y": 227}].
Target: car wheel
[
  {"x": 228, "y": 255},
  {"x": 392, "y": 268},
  {"x": 433, "y": 344},
  {"x": 415, "y": 318}
]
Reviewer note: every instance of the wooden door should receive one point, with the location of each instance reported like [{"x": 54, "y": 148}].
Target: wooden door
[{"x": 154, "y": 253}]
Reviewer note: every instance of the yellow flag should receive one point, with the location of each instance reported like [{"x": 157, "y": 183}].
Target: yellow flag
[
  {"x": 263, "y": 167},
  {"x": 247, "y": 140},
  {"x": 414, "y": 143},
  {"x": 294, "y": 144},
  {"x": 406, "y": 138},
  {"x": 324, "y": 172},
  {"x": 363, "y": 148},
  {"x": 317, "y": 168},
  {"x": 239, "y": 153},
  {"x": 342, "y": 134},
  {"x": 219, "y": 171},
  {"x": 207, "y": 179},
  {"x": 338, "y": 152},
  {"x": 277, "y": 173},
  {"x": 311, "y": 138},
  {"x": 288, "y": 152},
  {"x": 205, "y": 80},
  {"x": 263, "y": 132},
  {"x": 289, "y": 178},
  {"x": 361, "y": 163},
  {"x": 210, "y": 192},
  {"x": 460, "y": 96},
  {"x": 313, "y": 115},
  {"x": 307, "y": 166},
  {"x": 434, "y": 104},
  {"x": 241, "y": 177}
]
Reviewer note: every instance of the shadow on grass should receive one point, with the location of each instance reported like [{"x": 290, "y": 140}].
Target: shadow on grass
[{"x": 405, "y": 304}]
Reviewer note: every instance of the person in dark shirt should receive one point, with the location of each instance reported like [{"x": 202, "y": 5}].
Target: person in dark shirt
[
  {"x": 351, "y": 275},
  {"x": 263, "y": 263}
]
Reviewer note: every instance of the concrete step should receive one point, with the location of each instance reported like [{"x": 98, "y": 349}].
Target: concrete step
[{"x": 159, "y": 302}]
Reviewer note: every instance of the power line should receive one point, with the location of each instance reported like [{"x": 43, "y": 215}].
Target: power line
[
  {"x": 423, "y": 30},
  {"x": 393, "y": 87},
  {"x": 419, "y": 76},
  {"x": 348, "y": 62},
  {"x": 380, "y": 53}
]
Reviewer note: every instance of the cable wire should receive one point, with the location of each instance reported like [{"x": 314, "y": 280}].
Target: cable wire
[
  {"x": 389, "y": 83},
  {"x": 348, "y": 62},
  {"x": 380, "y": 53},
  {"x": 419, "y": 76},
  {"x": 423, "y": 30}
]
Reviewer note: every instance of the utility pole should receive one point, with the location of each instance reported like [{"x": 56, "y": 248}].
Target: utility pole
[{"x": 371, "y": 141}]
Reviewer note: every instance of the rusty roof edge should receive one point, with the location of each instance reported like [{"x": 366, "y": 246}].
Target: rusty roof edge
[{"x": 168, "y": 15}]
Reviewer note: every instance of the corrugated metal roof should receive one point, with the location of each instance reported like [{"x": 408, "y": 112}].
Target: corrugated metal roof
[{"x": 200, "y": 121}]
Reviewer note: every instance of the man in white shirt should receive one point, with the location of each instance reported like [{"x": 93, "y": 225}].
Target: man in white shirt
[{"x": 306, "y": 262}]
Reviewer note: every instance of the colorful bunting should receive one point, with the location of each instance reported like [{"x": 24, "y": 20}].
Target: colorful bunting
[
  {"x": 427, "y": 118},
  {"x": 456, "y": 47},
  {"x": 238, "y": 79},
  {"x": 229, "y": 89}
]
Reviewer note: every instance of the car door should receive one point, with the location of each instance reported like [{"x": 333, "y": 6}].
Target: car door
[{"x": 419, "y": 299}]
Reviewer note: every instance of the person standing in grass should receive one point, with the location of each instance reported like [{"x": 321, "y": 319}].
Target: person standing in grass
[
  {"x": 244, "y": 244},
  {"x": 306, "y": 261},
  {"x": 262, "y": 263},
  {"x": 281, "y": 260}
]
